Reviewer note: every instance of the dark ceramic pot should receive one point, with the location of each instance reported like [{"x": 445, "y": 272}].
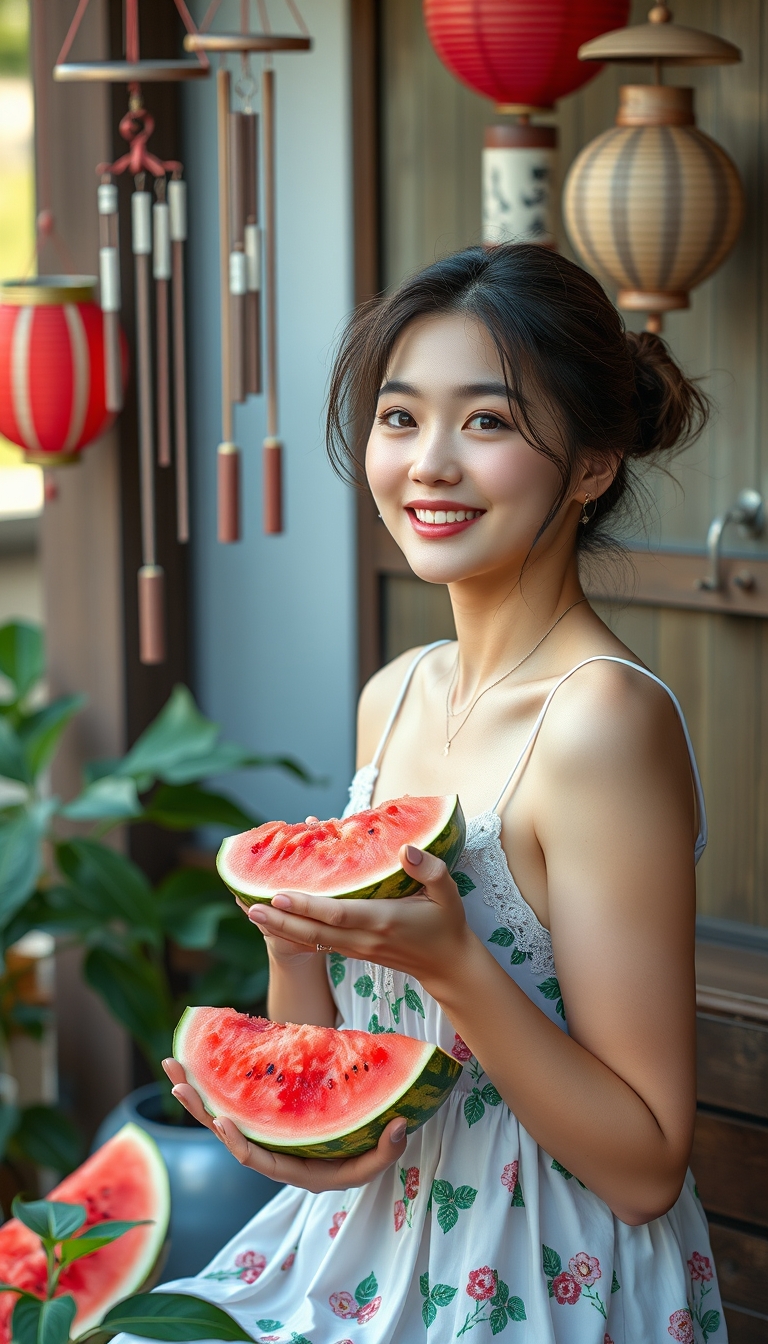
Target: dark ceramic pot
[{"x": 212, "y": 1196}]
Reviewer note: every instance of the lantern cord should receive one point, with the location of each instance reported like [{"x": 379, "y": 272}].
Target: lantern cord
[{"x": 45, "y": 223}]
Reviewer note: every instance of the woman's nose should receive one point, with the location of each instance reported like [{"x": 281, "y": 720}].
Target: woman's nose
[{"x": 435, "y": 461}]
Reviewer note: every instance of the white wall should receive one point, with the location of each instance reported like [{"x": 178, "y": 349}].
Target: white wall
[{"x": 274, "y": 617}]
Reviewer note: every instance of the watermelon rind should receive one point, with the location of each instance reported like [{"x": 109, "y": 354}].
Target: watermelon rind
[
  {"x": 417, "y": 1100},
  {"x": 393, "y": 883}
]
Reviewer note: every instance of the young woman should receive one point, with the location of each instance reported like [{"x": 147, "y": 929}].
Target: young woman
[{"x": 505, "y": 408}]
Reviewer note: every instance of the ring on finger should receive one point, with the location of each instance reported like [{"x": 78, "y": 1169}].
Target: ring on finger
[{"x": 323, "y": 947}]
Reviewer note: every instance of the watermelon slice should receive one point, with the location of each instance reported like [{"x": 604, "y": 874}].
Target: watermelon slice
[
  {"x": 310, "y": 1091},
  {"x": 125, "y": 1179},
  {"x": 353, "y": 858}
]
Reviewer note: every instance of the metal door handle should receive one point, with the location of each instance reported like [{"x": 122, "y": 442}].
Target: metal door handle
[{"x": 749, "y": 513}]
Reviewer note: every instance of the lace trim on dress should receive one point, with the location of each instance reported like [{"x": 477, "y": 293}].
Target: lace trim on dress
[
  {"x": 361, "y": 789},
  {"x": 500, "y": 891}
]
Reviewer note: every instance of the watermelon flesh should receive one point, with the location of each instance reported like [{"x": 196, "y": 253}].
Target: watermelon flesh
[
  {"x": 357, "y": 857},
  {"x": 125, "y": 1179},
  {"x": 311, "y": 1091}
]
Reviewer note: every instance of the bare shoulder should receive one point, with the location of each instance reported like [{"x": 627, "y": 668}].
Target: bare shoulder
[{"x": 376, "y": 700}]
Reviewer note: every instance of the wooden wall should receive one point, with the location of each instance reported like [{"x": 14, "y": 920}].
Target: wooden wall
[{"x": 718, "y": 665}]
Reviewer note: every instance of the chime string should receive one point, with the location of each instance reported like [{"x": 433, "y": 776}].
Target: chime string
[
  {"x": 210, "y": 15},
  {"x": 45, "y": 223},
  {"x": 223, "y": 98}
]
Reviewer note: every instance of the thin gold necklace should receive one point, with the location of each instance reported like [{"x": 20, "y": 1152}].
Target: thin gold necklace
[{"x": 449, "y": 714}]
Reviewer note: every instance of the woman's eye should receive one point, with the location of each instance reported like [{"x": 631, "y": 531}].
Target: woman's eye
[
  {"x": 398, "y": 419},
  {"x": 485, "y": 421}
]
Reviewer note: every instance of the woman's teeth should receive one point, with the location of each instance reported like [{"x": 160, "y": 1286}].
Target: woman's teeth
[{"x": 446, "y": 515}]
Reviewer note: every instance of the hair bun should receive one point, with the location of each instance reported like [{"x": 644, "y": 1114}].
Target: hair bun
[{"x": 671, "y": 409}]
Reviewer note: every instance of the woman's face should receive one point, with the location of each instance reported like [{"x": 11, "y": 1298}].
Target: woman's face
[{"x": 457, "y": 485}]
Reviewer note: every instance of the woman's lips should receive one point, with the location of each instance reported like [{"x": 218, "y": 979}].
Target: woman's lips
[{"x": 434, "y": 521}]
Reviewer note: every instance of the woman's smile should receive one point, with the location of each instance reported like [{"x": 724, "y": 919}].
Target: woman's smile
[{"x": 438, "y": 518}]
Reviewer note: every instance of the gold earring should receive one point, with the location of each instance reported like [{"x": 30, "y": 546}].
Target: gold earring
[{"x": 585, "y": 517}]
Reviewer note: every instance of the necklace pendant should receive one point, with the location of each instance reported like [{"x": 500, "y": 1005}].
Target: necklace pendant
[{"x": 446, "y": 748}]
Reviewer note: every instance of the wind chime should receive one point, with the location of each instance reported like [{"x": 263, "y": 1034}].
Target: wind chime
[
  {"x": 158, "y": 234},
  {"x": 240, "y": 249},
  {"x": 522, "y": 54},
  {"x": 654, "y": 205}
]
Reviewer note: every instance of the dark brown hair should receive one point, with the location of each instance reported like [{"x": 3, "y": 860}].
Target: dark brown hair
[{"x": 613, "y": 392}]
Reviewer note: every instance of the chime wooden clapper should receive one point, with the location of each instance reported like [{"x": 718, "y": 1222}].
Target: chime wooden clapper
[{"x": 158, "y": 234}]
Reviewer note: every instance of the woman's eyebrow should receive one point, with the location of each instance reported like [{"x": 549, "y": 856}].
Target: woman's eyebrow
[
  {"x": 394, "y": 385},
  {"x": 490, "y": 389}
]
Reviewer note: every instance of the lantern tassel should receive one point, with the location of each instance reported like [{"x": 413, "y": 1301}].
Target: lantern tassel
[
  {"x": 161, "y": 269},
  {"x": 109, "y": 276},
  {"x": 177, "y": 204},
  {"x": 252, "y": 239},
  {"x": 272, "y": 453},
  {"x": 228, "y": 470},
  {"x": 151, "y": 596}
]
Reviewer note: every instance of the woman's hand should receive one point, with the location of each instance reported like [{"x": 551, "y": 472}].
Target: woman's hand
[
  {"x": 421, "y": 935},
  {"x": 315, "y": 1174},
  {"x": 281, "y": 950}
]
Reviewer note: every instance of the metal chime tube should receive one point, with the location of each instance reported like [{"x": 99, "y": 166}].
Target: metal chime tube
[
  {"x": 151, "y": 578},
  {"x": 252, "y": 239},
  {"x": 109, "y": 275},
  {"x": 273, "y": 448},
  {"x": 161, "y": 269},
  {"x": 228, "y": 458},
  {"x": 177, "y": 205},
  {"x": 237, "y": 261}
]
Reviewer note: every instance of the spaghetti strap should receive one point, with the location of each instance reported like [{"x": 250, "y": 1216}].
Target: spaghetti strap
[
  {"x": 701, "y": 839},
  {"x": 395, "y": 710}
]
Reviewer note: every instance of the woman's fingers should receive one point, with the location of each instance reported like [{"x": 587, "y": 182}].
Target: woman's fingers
[
  {"x": 314, "y": 1174},
  {"x": 191, "y": 1102},
  {"x": 174, "y": 1070},
  {"x": 432, "y": 872}
]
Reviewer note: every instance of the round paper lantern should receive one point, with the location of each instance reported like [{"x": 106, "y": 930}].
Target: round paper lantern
[
  {"x": 52, "y": 390},
  {"x": 520, "y": 53},
  {"x": 653, "y": 205}
]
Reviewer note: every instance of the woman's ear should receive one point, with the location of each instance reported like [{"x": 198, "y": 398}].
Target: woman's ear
[{"x": 596, "y": 476}]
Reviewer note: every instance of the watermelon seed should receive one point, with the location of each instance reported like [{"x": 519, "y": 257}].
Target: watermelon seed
[
  {"x": 372, "y": 830},
  {"x": 346, "y": 1075},
  {"x": 249, "y": 1074},
  {"x": 354, "y": 1068},
  {"x": 365, "y": 1066},
  {"x": 279, "y": 1078},
  {"x": 330, "y": 1082},
  {"x": 270, "y": 1068}
]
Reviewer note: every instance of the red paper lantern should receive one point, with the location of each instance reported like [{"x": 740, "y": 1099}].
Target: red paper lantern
[
  {"x": 52, "y": 394},
  {"x": 520, "y": 53}
]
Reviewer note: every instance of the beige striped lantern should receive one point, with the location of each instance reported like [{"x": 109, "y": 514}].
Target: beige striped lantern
[{"x": 653, "y": 206}]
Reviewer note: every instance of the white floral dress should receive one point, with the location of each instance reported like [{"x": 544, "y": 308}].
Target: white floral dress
[{"x": 476, "y": 1230}]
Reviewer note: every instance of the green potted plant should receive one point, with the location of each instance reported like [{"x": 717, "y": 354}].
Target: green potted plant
[{"x": 85, "y": 892}]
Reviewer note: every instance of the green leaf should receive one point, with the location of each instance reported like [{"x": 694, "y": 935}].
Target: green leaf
[
  {"x": 550, "y": 988},
  {"x": 182, "y": 807},
  {"x": 366, "y": 1290},
  {"x": 172, "y": 1317},
  {"x": 564, "y": 1172},
  {"x": 22, "y": 655},
  {"x": 464, "y": 883},
  {"x": 39, "y": 733},
  {"x": 269, "y": 1325},
  {"x": 428, "y": 1312},
  {"x": 474, "y": 1108},
  {"x": 239, "y": 943},
  {"x": 424, "y": 1284},
  {"x": 615, "y": 1285},
  {"x": 93, "y": 1238},
  {"x": 551, "y": 1262},
  {"x": 178, "y": 736},
  {"x": 443, "y": 1294},
  {"x": 108, "y": 799},
  {"x": 375, "y": 1027},
  {"x": 43, "y": 1322},
  {"x": 395, "y": 1009},
  {"x": 447, "y": 1217},
  {"x": 13, "y": 762},
  {"x": 9, "y": 1119},
  {"x": 413, "y": 1001},
  {"x": 499, "y": 1298},
  {"x": 111, "y": 887},
  {"x": 465, "y": 1196},
  {"x": 517, "y": 1198},
  {"x": 502, "y": 937},
  {"x": 498, "y": 1319},
  {"x": 517, "y": 956},
  {"x": 516, "y": 1309},
  {"x": 21, "y": 857},
  {"x": 47, "y": 1137},
  {"x": 135, "y": 991},
  {"x": 710, "y": 1322},
  {"x": 490, "y": 1095},
  {"x": 442, "y": 1192},
  {"x": 364, "y": 987},
  {"x": 337, "y": 968},
  {"x": 49, "y": 1218}
]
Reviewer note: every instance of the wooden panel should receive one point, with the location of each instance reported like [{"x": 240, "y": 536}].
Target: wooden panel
[
  {"x": 744, "y": 1328},
  {"x": 732, "y": 1063},
  {"x": 672, "y": 579},
  {"x": 730, "y": 1163},
  {"x": 412, "y": 615},
  {"x": 742, "y": 1266}
]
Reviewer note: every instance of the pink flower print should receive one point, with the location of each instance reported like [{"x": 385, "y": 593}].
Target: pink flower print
[
  {"x": 337, "y": 1220},
  {"x": 681, "y": 1327},
  {"x": 482, "y": 1283},
  {"x": 365, "y": 1313},
  {"x": 288, "y": 1261},
  {"x": 700, "y": 1267},
  {"x": 411, "y": 1182},
  {"x": 343, "y": 1305},
  {"x": 460, "y": 1051},
  {"x": 399, "y": 1214},
  {"x": 607, "y": 1338},
  {"x": 251, "y": 1264},
  {"x": 509, "y": 1176},
  {"x": 585, "y": 1269},
  {"x": 566, "y": 1289}
]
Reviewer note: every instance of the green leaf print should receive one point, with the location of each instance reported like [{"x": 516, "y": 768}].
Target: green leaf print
[
  {"x": 615, "y": 1285},
  {"x": 498, "y": 1320},
  {"x": 375, "y": 1027},
  {"x": 550, "y": 988},
  {"x": 565, "y": 1173},
  {"x": 442, "y": 1191},
  {"x": 424, "y": 1284},
  {"x": 450, "y": 1201},
  {"x": 428, "y": 1312},
  {"x": 710, "y": 1322},
  {"x": 442, "y": 1294},
  {"x": 364, "y": 986},
  {"x": 517, "y": 1199},
  {"x": 474, "y": 1107},
  {"x": 490, "y": 1096},
  {"x": 551, "y": 1262},
  {"x": 464, "y": 883},
  {"x": 413, "y": 1001},
  {"x": 338, "y": 967},
  {"x": 499, "y": 1298},
  {"x": 502, "y": 937},
  {"x": 447, "y": 1217},
  {"x": 366, "y": 1290},
  {"x": 394, "y": 1008},
  {"x": 516, "y": 1309},
  {"x": 269, "y": 1325},
  {"x": 299, "y": 1339},
  {"x": 517, "y": 957},
  {"x": 464, "y": 1197}
]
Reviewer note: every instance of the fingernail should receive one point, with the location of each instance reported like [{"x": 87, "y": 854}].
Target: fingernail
[
  {"x": 281, "y": 901},
  {"x": 175, "y": 1092},
  {"x": 413, "y": 855},
  {"x": 398, "y": 1131},
  {"x": 167, "y": 1062},
  {"x": 257, "y": 914},
  {"x": 218, "y": 1127}
]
